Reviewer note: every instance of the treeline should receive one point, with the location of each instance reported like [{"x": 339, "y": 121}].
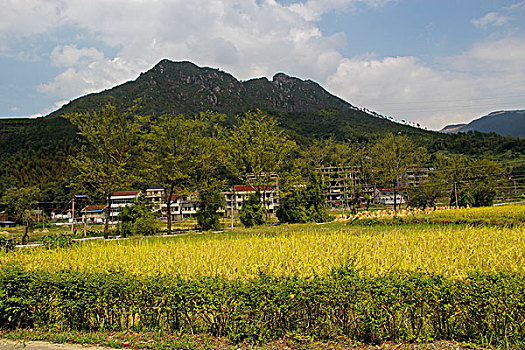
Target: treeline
[
  {"x": 484, "y": 308},
  {"x": 209, "y": 152},
  {"x": 35, "y": 152}
]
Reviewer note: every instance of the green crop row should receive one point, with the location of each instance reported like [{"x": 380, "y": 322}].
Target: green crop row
[{"x": 485, "y": 308}]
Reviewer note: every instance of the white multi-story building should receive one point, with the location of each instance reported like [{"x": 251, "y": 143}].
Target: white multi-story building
[
  {"x": 120, "y": 200},
  {"x": 181, "y": 207},
  {"x": 241, "y": 193},
  {"x": 155, "y": 195},
  {"x": 342, "y": 183}
]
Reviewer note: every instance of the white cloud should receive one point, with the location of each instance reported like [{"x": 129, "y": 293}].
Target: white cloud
[
  {"x": 507, "y": 15},
  {"x": 250, "y": 38},
  {"x": 246, "y": 38},
  {"x": 92, "y": 77},
  {"x": 490, "y": 19},
  {"x": 20, "y": 19},
  {"x": 465, "y": 87},
  {"x": 70, "y": 55},
  {"x": 313, "y": 10},
  {"x": 399, "y": 86}
]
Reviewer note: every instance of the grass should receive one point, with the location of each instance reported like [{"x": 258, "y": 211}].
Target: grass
[
  {"x": 288, "y": 250},
  {"x": 38, "y": 232},
  {"x": 161, "y": 340}
]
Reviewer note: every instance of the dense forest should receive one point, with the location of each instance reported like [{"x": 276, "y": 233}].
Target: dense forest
[{"x": 36, "y": 151}]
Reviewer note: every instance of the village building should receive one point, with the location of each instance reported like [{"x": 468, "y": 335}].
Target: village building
[
  {"x": 416, "y": 176},
  {"x": 240, "y": 194},
  {"x": 155, "y": 195},
  {"x": 385, "y": 196},
  {"x": 4, "y": 220},
  {"x": 119, "y": 200},
  {"x": 341, "y": 184},
  {"x": 60, "y": 214},
  {"x": 181, "y": 207},
  {"x": 93, "y": 214}
]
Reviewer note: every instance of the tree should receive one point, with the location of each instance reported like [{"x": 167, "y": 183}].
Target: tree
[
  {"x": 210, "y": 200},
  {"x": 137, "y": 219},
  {"x": 425, "y": 195},
  {"x": 252, "y": 212},
  {"x": 258, "y": 147},
  {"x": 304, "y": 202},
  {"x": 292, "y": 208},
  {"x": 318, "y": 154},
  {"x": 20, "y": 203},
  {"x": 184, "y": 154},
  {"x": 315, "y": 199},
  {"x": 364, "y": 179},
  {"x": 109, "y": 143},
  {"x": 471, "y": 181},
  {"x": 394, "y": 155}
]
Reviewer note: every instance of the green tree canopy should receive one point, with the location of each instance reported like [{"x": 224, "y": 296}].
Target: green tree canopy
[
  {"x": 20, "y": 203},
  {"x": 394, "y": 154},
  {"x": 109, "y": 143}
]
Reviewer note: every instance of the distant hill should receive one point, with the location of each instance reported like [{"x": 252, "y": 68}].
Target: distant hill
[{"x": 504, "y": 123}]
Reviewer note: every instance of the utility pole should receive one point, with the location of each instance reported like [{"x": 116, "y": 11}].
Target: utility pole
[
  {"x": 73, "y": 216},
  {"x": 456, "y": 194},
  {"x": 231, "y": 205}
]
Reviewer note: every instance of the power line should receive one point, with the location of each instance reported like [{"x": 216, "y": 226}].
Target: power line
[{"x": 447, "y": 101}]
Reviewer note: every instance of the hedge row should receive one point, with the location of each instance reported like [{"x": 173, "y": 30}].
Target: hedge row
[{"x": 485, "y": 308}]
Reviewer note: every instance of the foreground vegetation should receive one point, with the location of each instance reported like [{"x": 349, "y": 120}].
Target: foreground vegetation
[
  {"x": 485, "y": 308},
  {"x": 368, "y": 283}
]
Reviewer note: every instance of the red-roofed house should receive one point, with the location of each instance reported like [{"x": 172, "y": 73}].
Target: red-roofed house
[
  {"x": 93, "y": 214},
  {"x": 182, "y": 207},
  {"x": 240, "y": 193},
  {"x": 119, "y": 200}
]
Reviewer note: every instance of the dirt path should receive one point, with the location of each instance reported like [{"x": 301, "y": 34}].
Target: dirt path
[
  {"x": 40, "y": 345},
  {"x": 276, "y": 345}
]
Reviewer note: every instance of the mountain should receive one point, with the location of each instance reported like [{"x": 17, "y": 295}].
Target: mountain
[
  {"x": 505, "y": 123},
  {"x": 302, "y": 106},
  {"x": 452, "y": 128},
  {"x": 36, "y": 151},
  {"x": 183, "y": 87}
]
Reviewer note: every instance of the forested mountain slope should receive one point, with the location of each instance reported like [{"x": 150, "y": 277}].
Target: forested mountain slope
[{"x": 36, "y": 151}]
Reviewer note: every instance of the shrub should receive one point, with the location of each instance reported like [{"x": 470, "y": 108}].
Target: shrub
[
  {"x": 137, "y": 218},
  {"x": 207, "y": 213},
  {"x": 145, "y": 226},
  {"x": 252, "y": 212},
  {"x": 57, "y": 241},
  {"x": 484, "y": 308},
  {"x": 291, "y": 210}
]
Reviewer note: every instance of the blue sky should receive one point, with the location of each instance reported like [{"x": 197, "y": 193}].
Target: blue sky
[{"x": 432, "y": 62}]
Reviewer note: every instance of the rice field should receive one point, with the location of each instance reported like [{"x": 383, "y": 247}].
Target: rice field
[
  {"x": 507, "y": 215},
  {"x": 295, "y": 250}
]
